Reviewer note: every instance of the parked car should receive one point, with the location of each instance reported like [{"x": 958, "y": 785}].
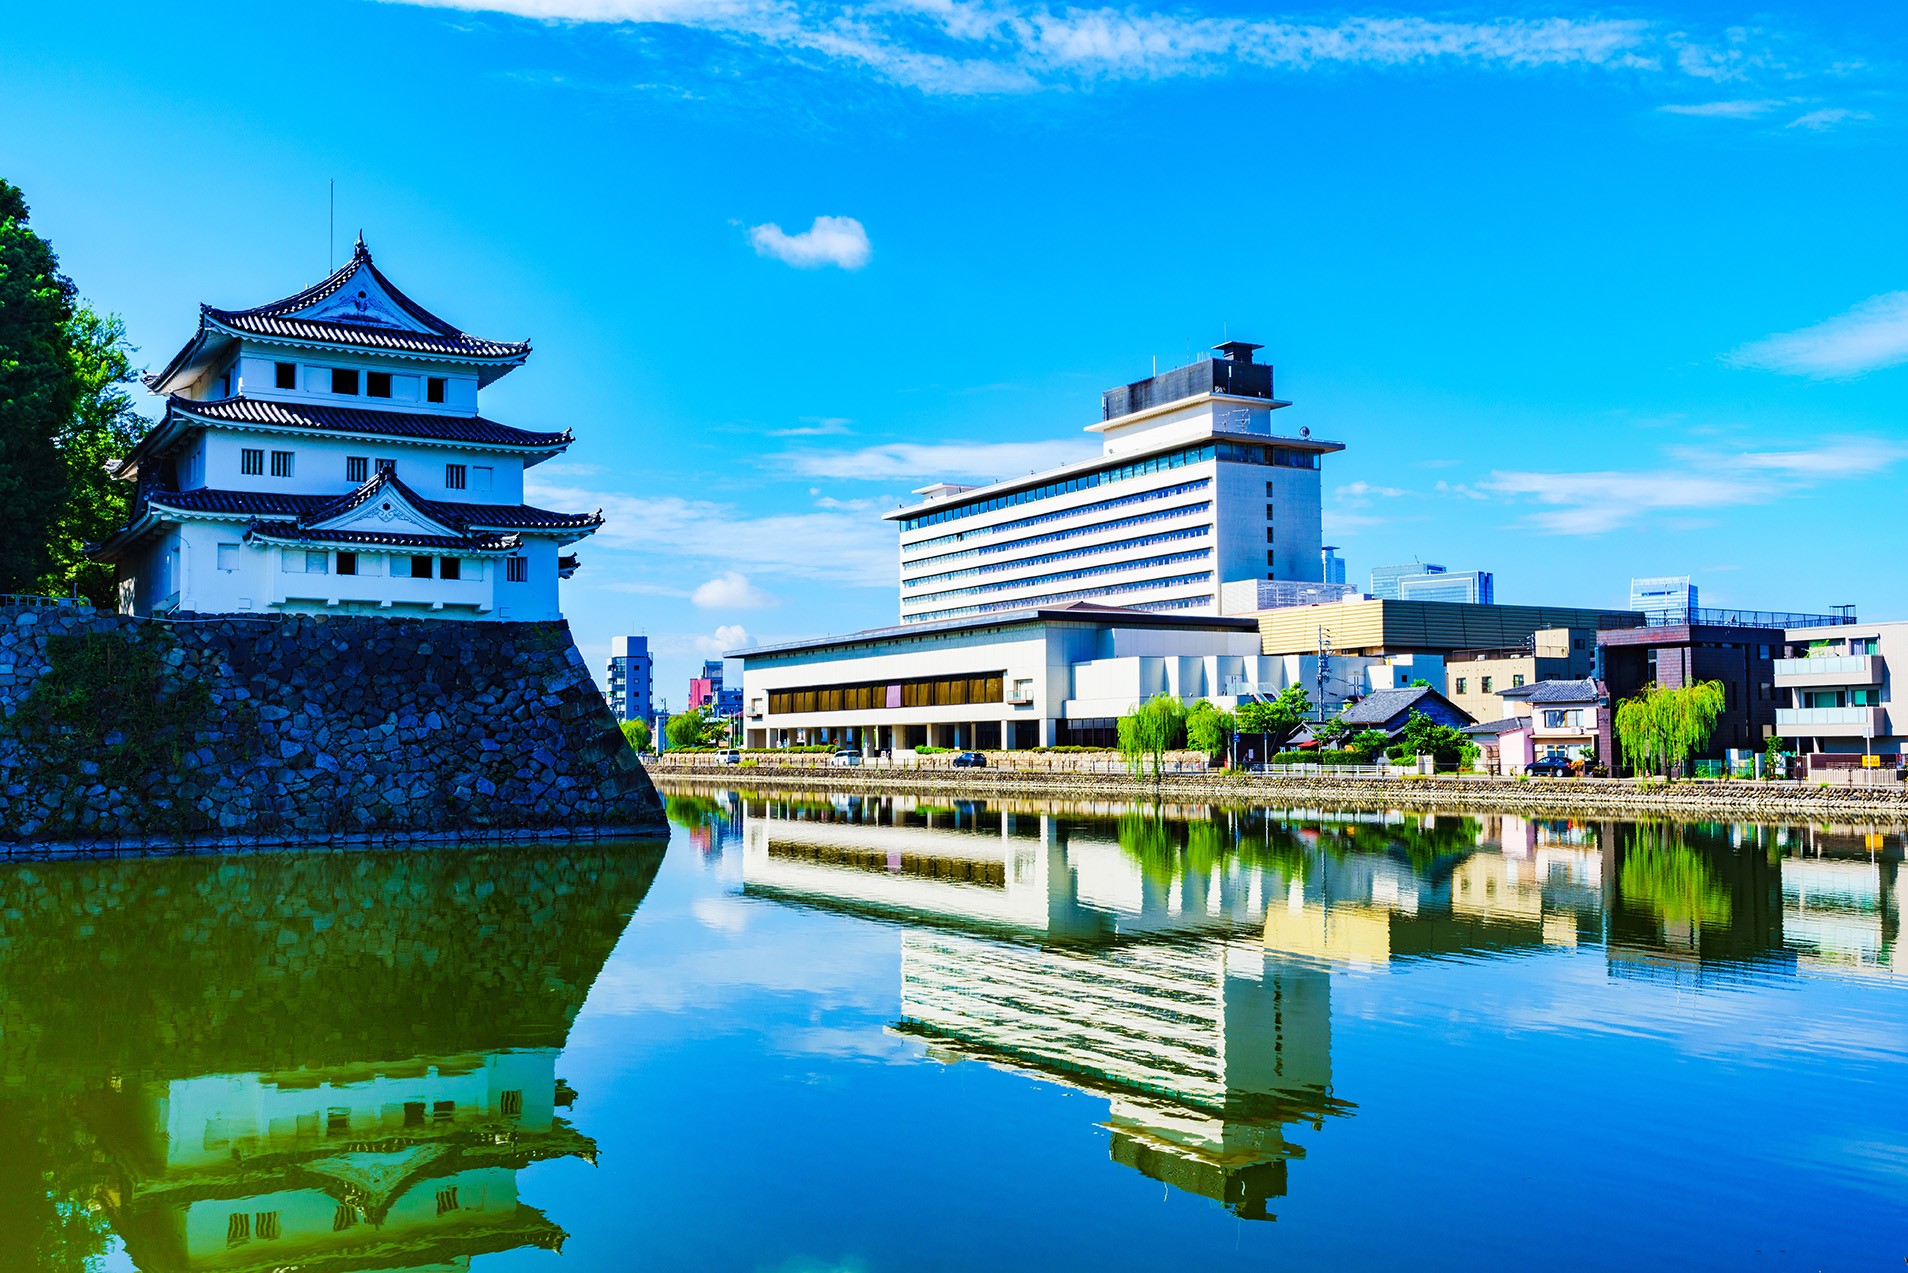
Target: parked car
[
  {"x": 1550, "y": 767},
  {"x": 846, "y": 756},
  {"x": 729, "y": 757},
  {"x": 970, "y": 760}
]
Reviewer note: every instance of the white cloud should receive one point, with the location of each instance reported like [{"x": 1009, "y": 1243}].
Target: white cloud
[
  {"x": 730, "y": 636},
  {"x": 732, "y": 591},
  {"x": 1336, "y": 523},
  {"x": 873, "y": 504},
  {"x": 830, "y": 241},
  {"x": 999, "y": 46},
  {"x": 990, "y": 460},
  {"x": 1724, "y": 110},
  {"x": 1357, "y": 494},
  {"x": 1872, "y": 335},
  {"x": 815, "y": 426},
  {"x": 828, "y": 546},
  {"x": 646, "y": 589},
  {"x": 1595, "y": 502},
  {"x": 1825, "y": 119}
]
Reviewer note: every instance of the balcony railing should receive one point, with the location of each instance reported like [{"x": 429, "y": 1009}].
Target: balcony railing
[
  {"x": 1696, "y": 616},
  {"x": 1833, "y": 669},
  {"x": 1840, "y": 722}
]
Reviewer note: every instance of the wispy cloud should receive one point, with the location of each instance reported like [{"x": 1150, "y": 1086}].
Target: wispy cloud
[
  {"x": 999, "y": 46},
  {"x": 645, "y": 589},
  {"x": 839, "y": 241},
  {"x": 823, "y": 546},
  {"x": 1820, "y": 121},
  {"x": 1593, "y": 503},
  {"x": 815, "y": 427},
  {"x": 893, "y": 460},
  {"x": 1725, "y": 110},
  {"x": 733, "y": 591},
  {"x": 1360, "y": 493},
  {"x": 1872, "y": 335}
]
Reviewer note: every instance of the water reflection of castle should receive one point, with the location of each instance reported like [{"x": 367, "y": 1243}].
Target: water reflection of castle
[
  {"x": 1183, "y": 969},
  {"x": 322, "y": 1061}
]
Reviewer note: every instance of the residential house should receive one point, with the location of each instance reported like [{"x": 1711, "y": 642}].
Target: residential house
[
  {"x": 1391, "y": 710},
  {"x": 1476, "y": 679}
]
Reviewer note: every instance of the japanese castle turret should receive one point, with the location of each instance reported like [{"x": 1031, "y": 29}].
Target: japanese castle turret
[{"x": 324, "y": 454}]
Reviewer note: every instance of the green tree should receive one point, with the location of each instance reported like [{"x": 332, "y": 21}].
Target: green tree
[
  {"x": 1209, "y": 729},
  {"x": 1277, "y": 720},
  {"x": 1151, "y": 730},
  {"x": 685, "y": 729},
  {"x": 1773, "y": 748},
  {"x": 1425, "y": 737},
  {"x": 1660, "y": 727},
  {"x": 637, "y": 732},
  {"x": 101, "y": 429},
  {"x": 1371, "y": 741},
  {"x": 37, "y": 390},
  {"x": 1329, "y": 731}
]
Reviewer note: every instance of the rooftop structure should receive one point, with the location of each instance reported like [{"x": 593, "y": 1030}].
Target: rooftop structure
[
  {"x": 1663, "y": 594},
  {"x": 1192, "y": 487},
  {"x": 324, "y": 453},
  {"x": 1385, "y": 579},
  {"x": 1468, "y": 587}
]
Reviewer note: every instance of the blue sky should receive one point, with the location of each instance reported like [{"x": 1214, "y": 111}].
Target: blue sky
[{"x": 1586, "y": 293}]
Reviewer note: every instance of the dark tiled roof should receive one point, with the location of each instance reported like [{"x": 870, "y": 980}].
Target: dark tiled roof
[
  {"x": 1381, "y": 706},
  {"x": 436, "y": 543},
  {"x": 397, "y": 424},
  {"x": 438, "y": 336},
  {"x": 1504, "y": 726},
  {"x": 1583, "y": 691},
  {"x": 306, "y": 510}
]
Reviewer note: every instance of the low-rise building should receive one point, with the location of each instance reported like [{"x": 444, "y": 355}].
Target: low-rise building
[
  {"x": 1562, "y": 718},
  {"x": 1833, "y": 690},
  {"x": 1391, "y": 711},
  {"x": 1475, "y": 679}
]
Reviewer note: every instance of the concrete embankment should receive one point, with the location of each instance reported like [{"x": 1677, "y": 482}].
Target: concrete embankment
[{"x": 1562, "y": 797}]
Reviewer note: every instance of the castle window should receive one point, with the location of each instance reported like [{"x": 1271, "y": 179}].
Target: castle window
[
  {"x": 512, "y": 1104},
  {"x": 480, "y": 478},
  {"x": 285, "y": 375},
  {"x": 450, "y": 568},
  {"x": 251, "y": 462},
  {"x": 414, "y": 1113},
  {"x": 228, "y": 556},
  {"x": 357, "y": 468},
  {"x": 337, "y": 1120},
  {"x": 347, "y": 563},
  {"x": 343, "y": 1218},
  {"x": 516, "y": 569},
  {"x": 443, "y": 1111},
  {"x": 433, "y": 388},
  {"x": 238, "y": 1228},
  {"x": 446, "y": 1200},
  {"x": 377, "y": 384},
  {"x": 344, "y": 380},
  {"x": 454, "y": 477},
  {"x": 315, "y": 563},
  {"x": 281, "y": 463},
  {"x": 388, "y": 466},
  {"x": 421, "y": 567},
  {"x": 265, "y": 1224}
]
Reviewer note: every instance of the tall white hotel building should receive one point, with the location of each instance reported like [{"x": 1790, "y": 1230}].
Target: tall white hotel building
[{"x": 1193, "y": 486}]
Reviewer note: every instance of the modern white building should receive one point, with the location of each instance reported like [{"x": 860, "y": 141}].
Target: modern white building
[
  {"x": 1835, "y": 691},
  {"x": 325, "y": 454},
  {"x": 1667, "y": 596},
  {"x": 631, "y": 678},
  {"x": 1193, "y": 487}
]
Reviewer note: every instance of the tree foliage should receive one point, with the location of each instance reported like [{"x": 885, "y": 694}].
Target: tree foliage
[
  {"x": 637, "y": 734},
  {"x": 1209, "y": 728},
  {"x": 1150, "y": 731},
  {"x": 1369, "y": 741},
  {"x": 1425, "y": 737},
  {"x": 1660, "y": 727},
  {"x": 688, "y": 729},
  {"x": 1277, "y": 720},
  {"x": 37, "y": 391},
  {"x": 101, "y": 428}
]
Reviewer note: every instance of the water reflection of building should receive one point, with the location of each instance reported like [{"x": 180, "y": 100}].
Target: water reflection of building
[
  {"x": 319, "y": 1061},
  {"x": 1205, "y": 1050},
  {"x": 1093, "y": 954}
]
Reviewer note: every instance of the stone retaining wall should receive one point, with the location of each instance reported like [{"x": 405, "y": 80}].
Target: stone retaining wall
[
  {"x": 318, "y": 729},
  {"x": 1540, "y": 796}
]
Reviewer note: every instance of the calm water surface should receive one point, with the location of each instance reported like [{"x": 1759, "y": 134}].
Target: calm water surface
[{"x": 818, "y": 1034}]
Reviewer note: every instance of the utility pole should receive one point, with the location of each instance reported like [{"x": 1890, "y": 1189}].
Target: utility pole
[{"x": 1324, "y": 663}]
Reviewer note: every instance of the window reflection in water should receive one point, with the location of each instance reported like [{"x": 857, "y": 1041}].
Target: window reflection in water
[{"x": 1178, "y": 961}]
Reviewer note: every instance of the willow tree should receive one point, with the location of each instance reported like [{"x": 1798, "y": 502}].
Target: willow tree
[
  {"x": 1151, "y": 730},
  {"x": 1660, "y": 727}
]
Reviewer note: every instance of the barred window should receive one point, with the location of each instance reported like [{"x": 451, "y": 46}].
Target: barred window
[
  {"x": 453, "y": 477},
  {"x": 357, "y": 468},
  {"x": 281, "y": 463},
  {"x": 517, "y": 569},
  {"x": 251, "y": 462}
]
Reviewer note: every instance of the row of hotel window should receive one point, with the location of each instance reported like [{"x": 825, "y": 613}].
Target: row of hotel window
[
  {"x": 938, "y": 692},
  {"x": 516, "y": 569},
  {"x": 457, "y": 477},
  {"x": 346, "y": 380},
  {"x": 1484, "y": 684}
]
